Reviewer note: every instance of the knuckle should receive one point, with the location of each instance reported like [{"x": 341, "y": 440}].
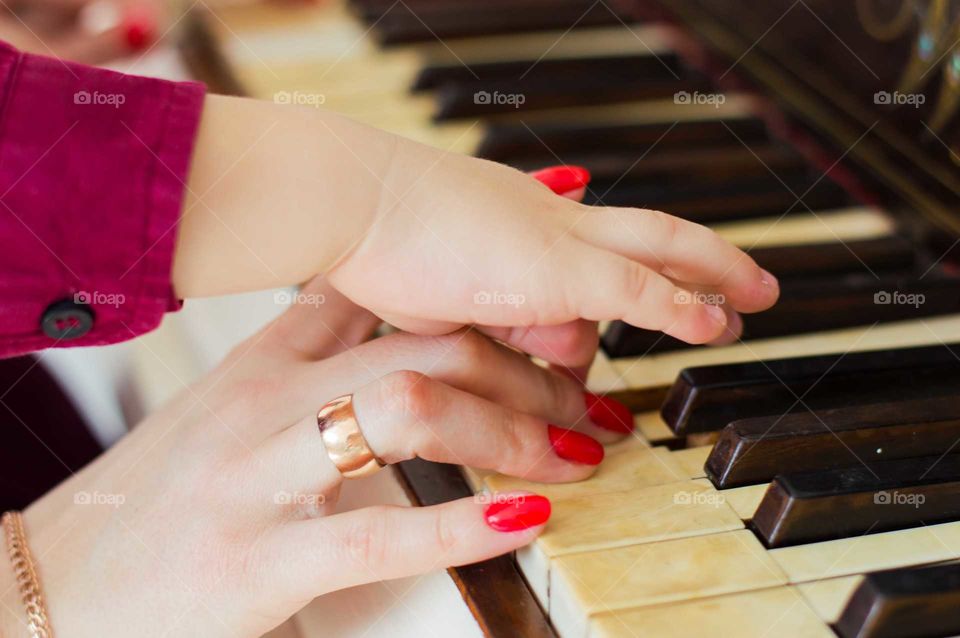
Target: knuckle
[
  {"x": 251, "y": 395},
  {"x": 445, "y": 534},
  {"x": 461, "y": 350},
  {"x": 408, "y": 393},
  {"x": 471, "y": 347},
  {"x": 576, "y": 343},
  {"x": 515, "y": 435},
  {"x": 635, "y": 280},
  {"x": 563, "y": 392},
  {"x": 366, "y": 541},
  {"x": 661, "y": 225}
]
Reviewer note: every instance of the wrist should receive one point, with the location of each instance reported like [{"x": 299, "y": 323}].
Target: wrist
[{"x": 276, "y": 195}]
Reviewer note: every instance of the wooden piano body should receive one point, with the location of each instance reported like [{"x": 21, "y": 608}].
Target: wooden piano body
[{"x": 819, "y": 135}]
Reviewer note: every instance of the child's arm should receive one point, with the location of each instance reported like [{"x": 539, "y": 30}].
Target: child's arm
[{"x": 431, "y": 240}]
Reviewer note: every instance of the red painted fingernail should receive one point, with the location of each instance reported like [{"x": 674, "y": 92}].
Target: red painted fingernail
[
  {"x": 574, "y": 446},
  {"x": 563, "y": 179},
  {"x": 608, "y": 413},
  {"x": 139, "y": 27},
  {"x": 516, "y": 513}
]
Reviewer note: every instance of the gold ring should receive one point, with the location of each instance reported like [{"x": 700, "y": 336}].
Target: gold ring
[{"x": 344, "y": 441}]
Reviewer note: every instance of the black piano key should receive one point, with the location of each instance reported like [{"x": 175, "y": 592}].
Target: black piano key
[
  {"x": 869, "y": 497},
  {"x": 734, "y": 199},
  {"x": 582, "y": 82},
  {"x": 540, "y": 143},
  {"x": 882, "y": 255},
  {"x": 756, "y": 450},
  {"x": 707, "y": 398},
  {"x": 680, "y": 167},
  {"x": 815, "y": 305},
  {"x": 663, "y": 65},
  {"x": 429, "y": 22},
  {"x": 904, "y": 603}
]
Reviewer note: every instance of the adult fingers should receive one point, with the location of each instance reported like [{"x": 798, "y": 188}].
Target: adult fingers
[
  {"x": 314, "y": 557},
  {"x": 465, "y": 360},
  {"x": 321, "y": 322},
  {"x": 572, "y": 344},
  {"x": 408, "y": 415}
]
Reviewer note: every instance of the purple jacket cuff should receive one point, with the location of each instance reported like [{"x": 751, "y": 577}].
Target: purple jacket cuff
[{"x": 93, "y": 170}]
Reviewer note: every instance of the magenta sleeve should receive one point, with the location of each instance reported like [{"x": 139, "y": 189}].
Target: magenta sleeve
[{"x": 93, "y": 171}]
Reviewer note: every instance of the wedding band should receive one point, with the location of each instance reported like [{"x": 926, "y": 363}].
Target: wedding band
[{"x": 344, "y": 441}]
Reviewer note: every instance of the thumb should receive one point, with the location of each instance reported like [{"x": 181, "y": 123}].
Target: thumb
[{"x": 314, "y": 557}]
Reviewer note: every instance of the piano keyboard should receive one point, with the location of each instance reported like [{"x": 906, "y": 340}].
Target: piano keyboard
[{"x": 800, "y": 482}]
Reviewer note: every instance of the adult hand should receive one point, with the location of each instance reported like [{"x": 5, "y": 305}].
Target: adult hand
[{"x": 216, "y": 516}]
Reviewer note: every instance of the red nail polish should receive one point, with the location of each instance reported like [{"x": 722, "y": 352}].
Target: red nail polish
[
  {"x": 563, "y": 179},
  {"x": 139, "y": 28},
  {"x": 574, "y": 446},
  {"x": 516, "y": 513},
  {"x": 608, "y": 413}
]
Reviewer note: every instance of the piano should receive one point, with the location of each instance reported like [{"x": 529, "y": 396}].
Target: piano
[{"x": 804, "y": 481}]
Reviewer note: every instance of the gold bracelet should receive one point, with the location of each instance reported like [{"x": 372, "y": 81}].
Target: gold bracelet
[{"x": 26, "y": 575}]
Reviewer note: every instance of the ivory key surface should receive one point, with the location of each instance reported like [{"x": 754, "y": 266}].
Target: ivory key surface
[
  {"x": 779, "y": 611},
  {"x": 870, "y": 552},
  {"x": 586, "y": 584}
]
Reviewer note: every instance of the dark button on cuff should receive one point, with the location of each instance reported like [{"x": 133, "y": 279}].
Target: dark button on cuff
[{"x": 66, "y": 319}]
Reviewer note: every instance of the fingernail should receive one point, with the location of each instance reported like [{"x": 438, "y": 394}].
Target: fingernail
[
  {"x": 608, "y": 413},
  {"x": 574, "y": 446},
  {"x": 563, "y": 179},
  {"x": 768, "y": 280},
  {"x": 717, "y": 314},
  {"x": 139, "y": 27},
  {"x": 517, "y": 513}
]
